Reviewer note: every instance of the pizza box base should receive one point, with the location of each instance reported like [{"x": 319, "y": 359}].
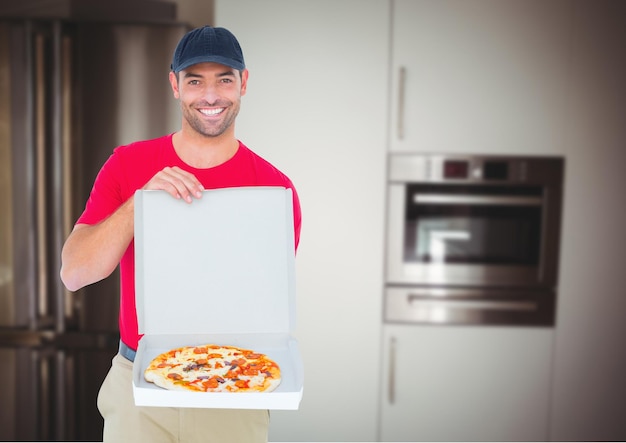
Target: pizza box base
[{"x": 282, "y": 348}]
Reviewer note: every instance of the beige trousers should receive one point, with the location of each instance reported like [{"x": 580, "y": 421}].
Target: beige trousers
[{"x": 125, "y": 422}]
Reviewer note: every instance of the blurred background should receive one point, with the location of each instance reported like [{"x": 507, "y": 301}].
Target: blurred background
[{"x": 337, "y": 91}]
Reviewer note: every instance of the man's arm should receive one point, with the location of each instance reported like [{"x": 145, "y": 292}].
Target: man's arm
[{"x": 92, "y": 252}]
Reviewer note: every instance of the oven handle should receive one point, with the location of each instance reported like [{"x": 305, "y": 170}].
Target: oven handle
[
  {"x": 447, "y": 199},
  {"x": 419, "y": 301}
]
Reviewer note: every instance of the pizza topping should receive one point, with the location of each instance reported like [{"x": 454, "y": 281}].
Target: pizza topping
[{"x": 242, "y": 383}]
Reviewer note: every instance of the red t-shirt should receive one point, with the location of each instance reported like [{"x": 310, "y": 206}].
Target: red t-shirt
[{"x": 130, "y": 167}]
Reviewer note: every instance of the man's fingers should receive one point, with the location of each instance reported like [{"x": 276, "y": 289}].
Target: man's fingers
[{"x": 178, "y": 183}]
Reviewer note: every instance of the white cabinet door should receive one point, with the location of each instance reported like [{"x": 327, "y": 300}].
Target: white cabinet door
[
  {"x": 477, "y": 383},
  {"x": 483, "y": 76}
]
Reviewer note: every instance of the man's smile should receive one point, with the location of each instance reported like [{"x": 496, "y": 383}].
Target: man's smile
[{"x": 214, "y": 111}]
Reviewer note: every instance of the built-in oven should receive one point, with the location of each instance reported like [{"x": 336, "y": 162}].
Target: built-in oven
[{"x": 473, "y": 239}]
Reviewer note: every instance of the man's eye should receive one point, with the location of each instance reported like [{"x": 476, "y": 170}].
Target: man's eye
[
  {"x": 226, "y": 80},
  {"x": 194, "y": 82}
]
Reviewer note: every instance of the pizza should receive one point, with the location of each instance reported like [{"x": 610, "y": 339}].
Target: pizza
[{"x": 213, "y": 368}]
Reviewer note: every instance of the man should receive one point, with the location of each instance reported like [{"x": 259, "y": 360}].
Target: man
[{"x": 208, "y": 76}]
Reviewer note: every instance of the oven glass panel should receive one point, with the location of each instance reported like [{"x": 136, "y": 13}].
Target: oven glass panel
[{"x": 473, "y": 225}]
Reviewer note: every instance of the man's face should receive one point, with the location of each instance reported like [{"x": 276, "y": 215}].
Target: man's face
[{"x": 210, "y": 96}]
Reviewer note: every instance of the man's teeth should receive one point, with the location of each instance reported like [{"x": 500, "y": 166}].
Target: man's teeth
[{"x": 211, "y": 111}]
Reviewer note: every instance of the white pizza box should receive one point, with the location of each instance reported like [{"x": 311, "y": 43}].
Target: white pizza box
[{"x": 219, "y": 270}]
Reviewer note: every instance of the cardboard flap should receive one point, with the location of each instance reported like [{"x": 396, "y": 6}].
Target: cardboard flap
[{"x": 222, "y": 264}]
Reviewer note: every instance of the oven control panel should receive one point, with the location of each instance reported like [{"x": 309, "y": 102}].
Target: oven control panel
[
  {"x": 464, "y": 169},
  {"x": 405, "y": 167}
]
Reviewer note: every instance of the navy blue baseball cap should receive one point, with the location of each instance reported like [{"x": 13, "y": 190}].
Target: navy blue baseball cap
[{"x": 208, "y": 44}]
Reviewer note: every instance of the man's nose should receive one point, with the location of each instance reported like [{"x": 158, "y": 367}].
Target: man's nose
[{"x": 211, "y": 94}]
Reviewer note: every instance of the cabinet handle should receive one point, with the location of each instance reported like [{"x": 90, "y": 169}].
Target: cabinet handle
[
  {"x": 41, "y": 160},
  {"x": 61, "y": 159},
  {"x": 392, "y": 371},
  {"x": 401, "y": 97}
]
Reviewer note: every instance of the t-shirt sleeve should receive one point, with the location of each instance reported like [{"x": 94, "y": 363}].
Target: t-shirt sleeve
[
  {"x": 297, "y": 215},
  {"x": 106, "y": 193}
]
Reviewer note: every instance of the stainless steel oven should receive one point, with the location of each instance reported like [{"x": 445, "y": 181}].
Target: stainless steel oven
[{"x": 473, "y": 237}]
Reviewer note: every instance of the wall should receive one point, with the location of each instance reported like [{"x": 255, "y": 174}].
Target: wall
[
  {"x": 316, "y": 107},
  {"x": 590, "y": 361}
]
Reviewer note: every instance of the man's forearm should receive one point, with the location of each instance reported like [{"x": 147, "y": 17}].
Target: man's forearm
[{"x": 92, "y": 252}]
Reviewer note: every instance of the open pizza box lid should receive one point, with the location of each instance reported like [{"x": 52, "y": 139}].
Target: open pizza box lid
[{"x": 219, "y": 270}]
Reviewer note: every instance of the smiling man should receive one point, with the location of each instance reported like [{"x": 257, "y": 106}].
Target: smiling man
[{"x": 208, "y": 76}]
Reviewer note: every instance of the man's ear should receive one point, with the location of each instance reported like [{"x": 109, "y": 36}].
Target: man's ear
[
  {"x": 174, "y": 84},
  {"x": 244, "y": 81}
]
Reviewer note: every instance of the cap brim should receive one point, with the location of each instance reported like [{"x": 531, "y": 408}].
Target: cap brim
[{"x": 235, "y": 64}]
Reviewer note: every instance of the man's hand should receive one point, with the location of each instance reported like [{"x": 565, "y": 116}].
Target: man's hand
[{"x": 177, "y": 183}]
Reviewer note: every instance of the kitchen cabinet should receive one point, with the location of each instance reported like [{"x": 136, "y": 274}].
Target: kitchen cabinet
[
  {"x": 482, "y": 76},
  {"x": 465, "y": 383}
]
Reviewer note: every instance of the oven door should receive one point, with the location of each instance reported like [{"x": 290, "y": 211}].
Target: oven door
[{"x": 441, "y": 234}]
